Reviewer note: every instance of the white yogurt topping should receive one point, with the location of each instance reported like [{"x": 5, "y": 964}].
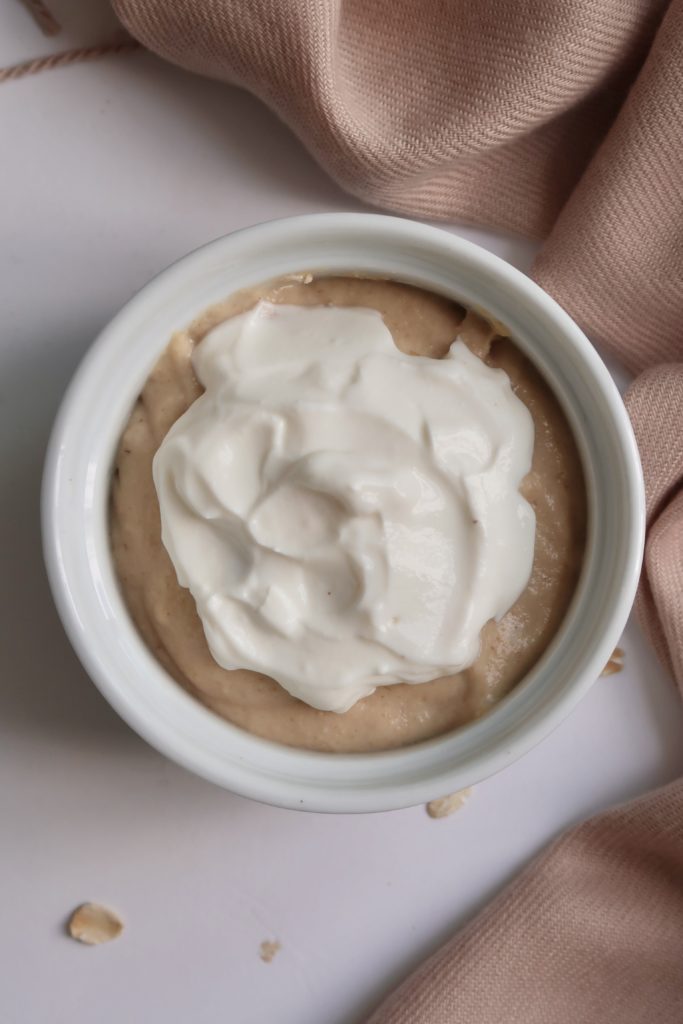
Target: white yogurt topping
[{"x": 345, "y": 516}]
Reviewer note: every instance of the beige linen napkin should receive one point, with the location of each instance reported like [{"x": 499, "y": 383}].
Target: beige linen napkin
[{"x": 562, "y": 120}]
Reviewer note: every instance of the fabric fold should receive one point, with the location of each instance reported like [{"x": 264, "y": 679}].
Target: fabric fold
[{"x": 591, "y": 933}]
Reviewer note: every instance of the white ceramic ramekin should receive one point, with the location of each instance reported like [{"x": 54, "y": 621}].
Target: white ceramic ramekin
[{"x": 75, "y": 514}]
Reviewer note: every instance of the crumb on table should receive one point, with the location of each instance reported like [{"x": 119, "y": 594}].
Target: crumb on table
[
  {"x": 268, "y": 950},
  {"x": 446, "y": 805},
  {"x": 615, "y": 663},
  {"x": 94, "y": 924}
]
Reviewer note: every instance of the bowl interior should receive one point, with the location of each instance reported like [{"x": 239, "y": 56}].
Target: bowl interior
[{"x": 76, "y": 495}]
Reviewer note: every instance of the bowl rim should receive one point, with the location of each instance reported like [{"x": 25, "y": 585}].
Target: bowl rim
[{"x": 419, "y": 773}]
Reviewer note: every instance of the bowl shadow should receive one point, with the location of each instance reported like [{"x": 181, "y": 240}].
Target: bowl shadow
[{"x": 44, "y": 689}]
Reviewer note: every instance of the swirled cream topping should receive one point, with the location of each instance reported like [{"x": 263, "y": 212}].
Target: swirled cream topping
[{"x": 345, "y": 515}]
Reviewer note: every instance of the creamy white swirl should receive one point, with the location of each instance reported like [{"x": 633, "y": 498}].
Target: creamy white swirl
[{"x": 346, "y": 516}]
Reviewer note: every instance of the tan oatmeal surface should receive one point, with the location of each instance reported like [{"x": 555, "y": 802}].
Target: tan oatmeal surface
[{"x": 421, "y": 323}]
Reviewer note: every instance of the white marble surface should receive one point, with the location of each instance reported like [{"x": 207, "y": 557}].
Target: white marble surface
[{"x": 109, "y": 171}]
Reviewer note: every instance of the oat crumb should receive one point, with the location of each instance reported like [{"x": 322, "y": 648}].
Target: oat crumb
[
  {"x": 268, "y": 950},
  {"x": 615, "y": 664},
  {"x": 446, "y": 805},
  {"x": 93, "y": 924}
]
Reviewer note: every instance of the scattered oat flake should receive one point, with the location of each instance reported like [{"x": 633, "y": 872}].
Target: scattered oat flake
[
  {"x": 268, "y": 950},
  {"x": 446, "y": 805},
  {"x": 94, "y": 924},
  {"x": 615, "y": 664}
]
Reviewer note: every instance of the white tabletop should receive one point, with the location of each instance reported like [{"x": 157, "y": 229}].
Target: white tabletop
[{"x": 110, "y": 171}]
